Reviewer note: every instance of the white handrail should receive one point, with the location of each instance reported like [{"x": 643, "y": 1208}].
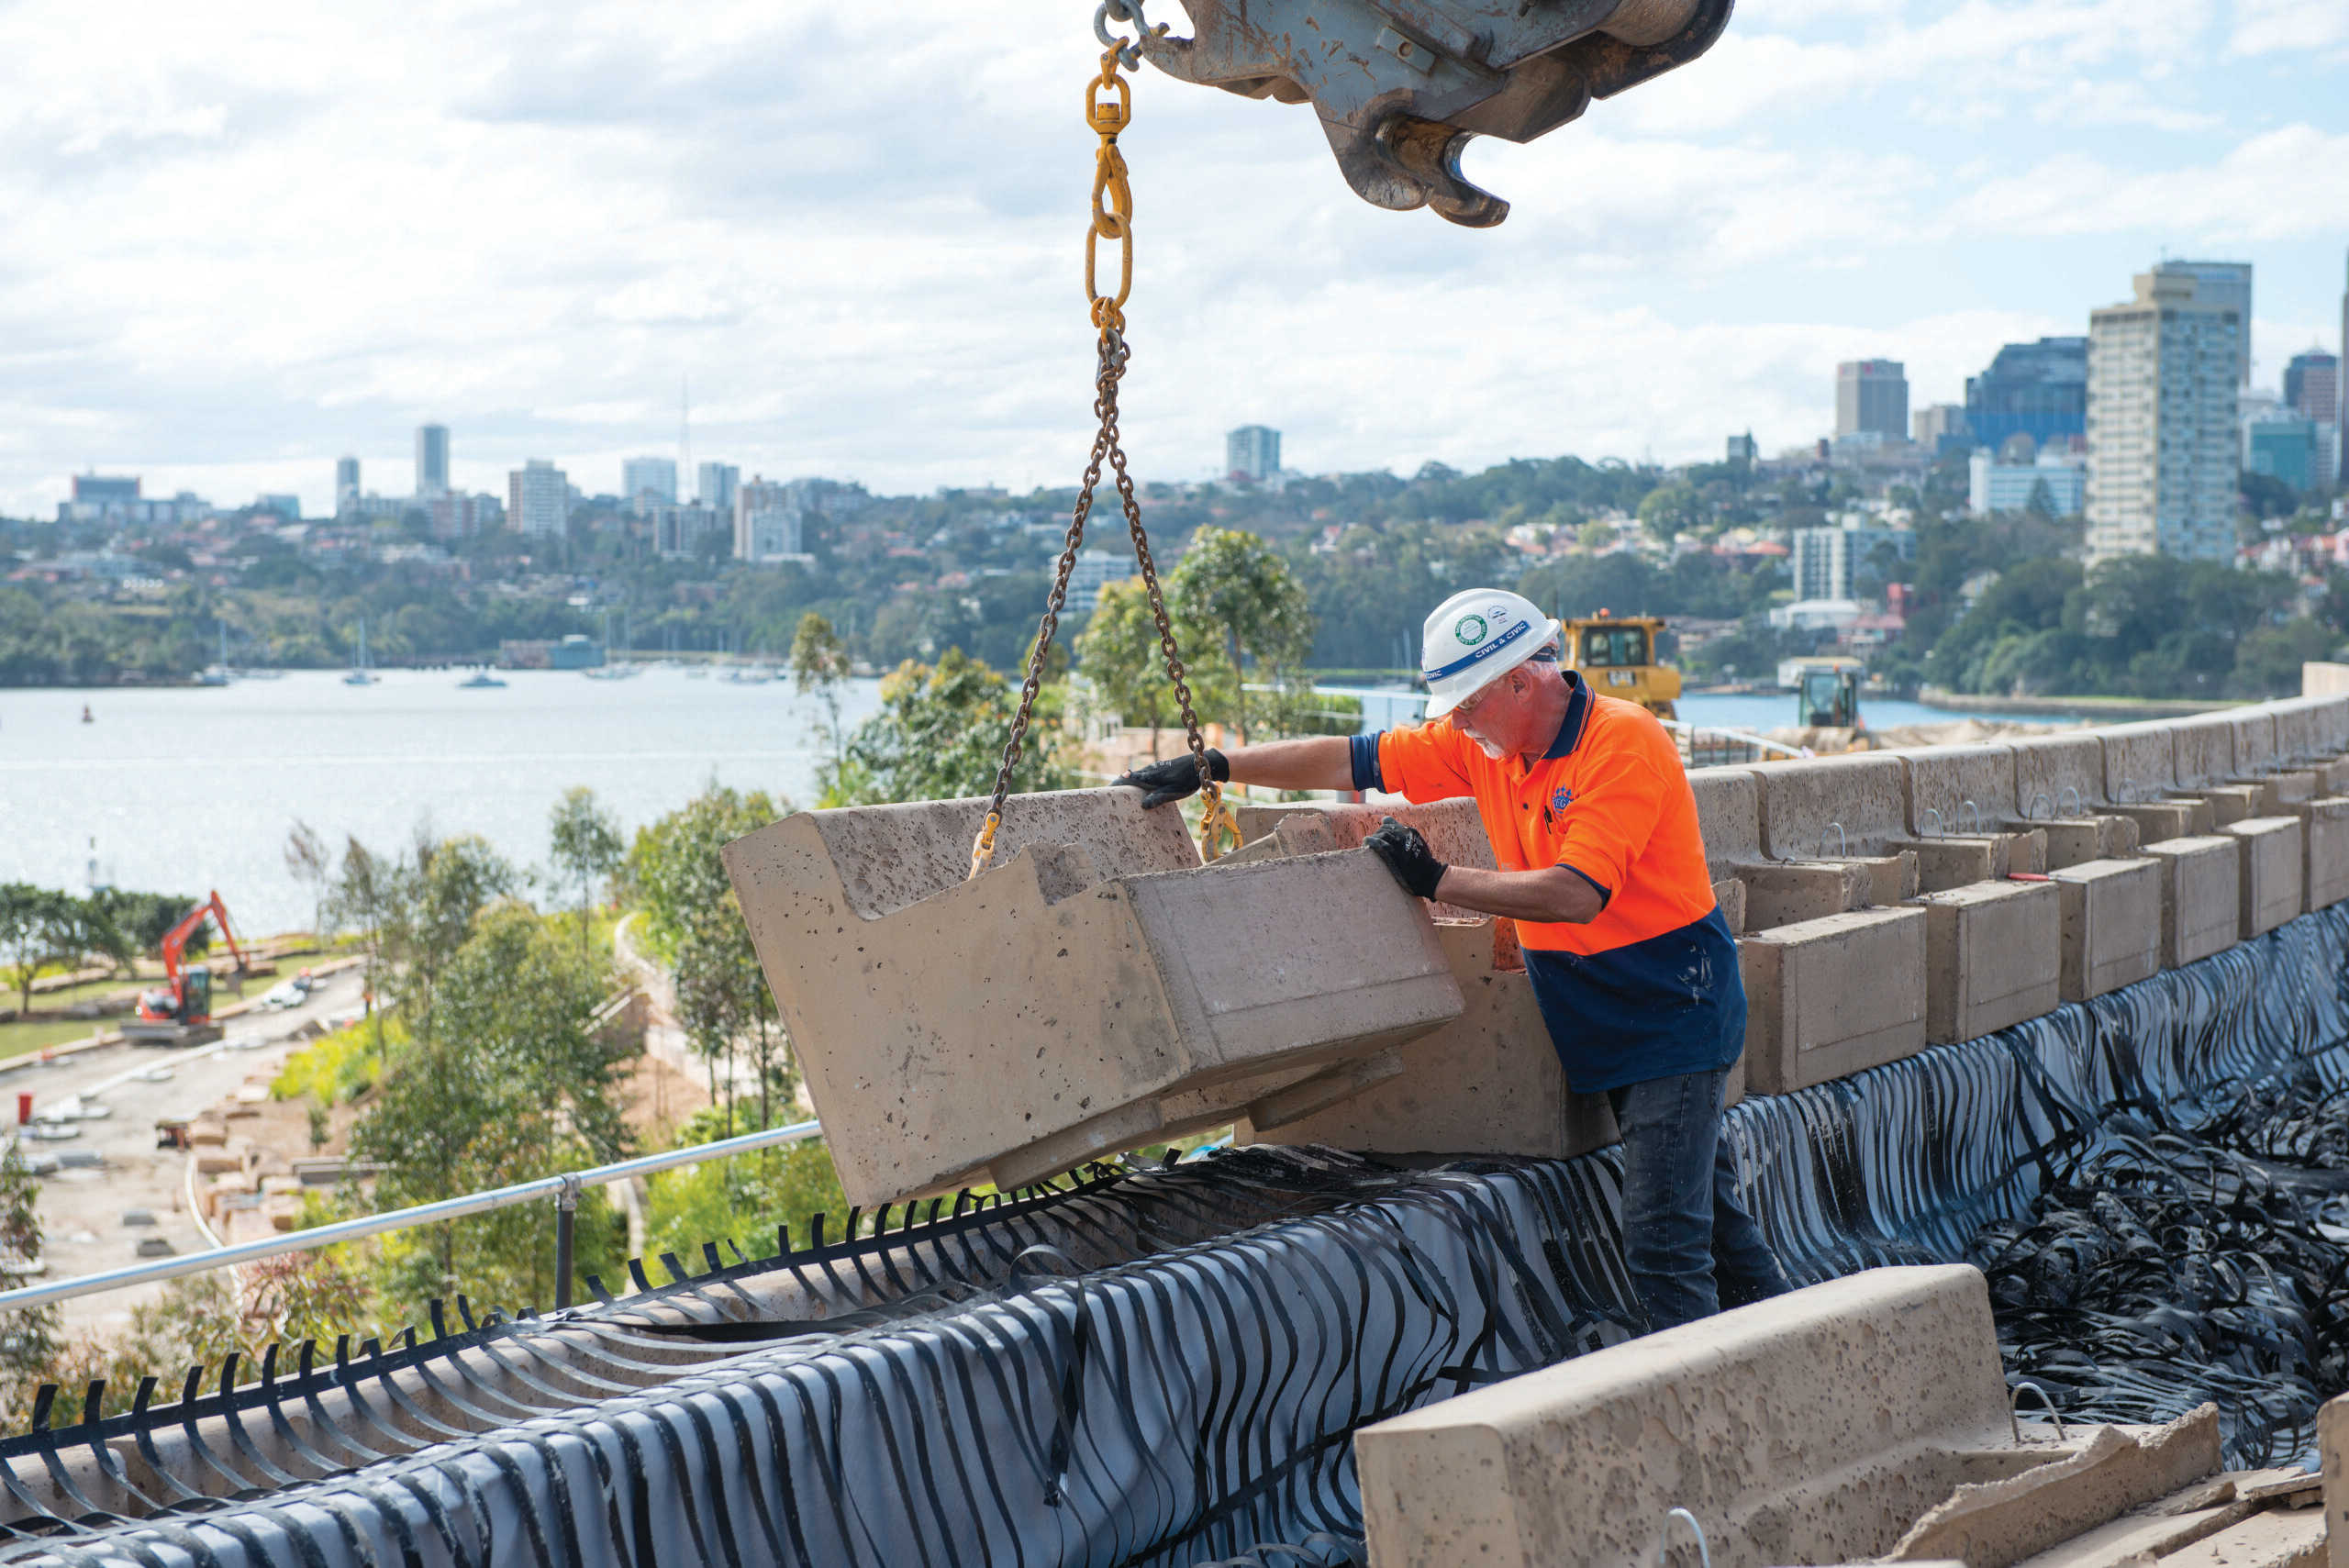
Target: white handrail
[
  {"x": 1744, "y": 737},
  {"x": 160, "y": 1269}
]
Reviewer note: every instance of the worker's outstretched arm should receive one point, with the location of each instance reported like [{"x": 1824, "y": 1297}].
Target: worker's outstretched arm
[
  {"x": 1313, "y": 762},
  {"x": 1551, "y": 894}
]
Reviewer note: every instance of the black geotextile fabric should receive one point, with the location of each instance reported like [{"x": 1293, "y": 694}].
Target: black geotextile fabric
[{"x": 1195, "y": 1402}]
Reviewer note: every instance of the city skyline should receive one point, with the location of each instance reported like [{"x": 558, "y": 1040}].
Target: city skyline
[{"x": 1690, "y": 258}]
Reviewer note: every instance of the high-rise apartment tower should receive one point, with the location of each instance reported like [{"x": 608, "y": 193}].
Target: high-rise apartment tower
[
  {"x": 1251, "y": 453},
  {"x": 431, "y": 461},
  {"x": 2164, "y": 455},
  {"x": 2312, "y": 390},
  {"x": 1871, "y": 396},
  {"x": 2227, "y": 287},
  {"x": 346, "y": 484}
]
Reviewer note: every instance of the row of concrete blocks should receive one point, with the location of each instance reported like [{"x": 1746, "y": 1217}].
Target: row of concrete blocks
[
  {"x": 1888, "y": 901},
  {"x": 1099, "y": 989}
]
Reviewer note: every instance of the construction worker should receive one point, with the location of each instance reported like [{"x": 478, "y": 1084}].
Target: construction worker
[{"x": 1593, "y": 827}]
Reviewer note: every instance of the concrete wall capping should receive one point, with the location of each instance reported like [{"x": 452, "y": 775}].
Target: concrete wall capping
[
  {"x": 1827, "y": 807},
  {"x": 2140, "y": 761},
  {"x": 1959, "y": 789},
  {"x": 2205, "y": 749},
  {"x": 1865, "y": 1403}
]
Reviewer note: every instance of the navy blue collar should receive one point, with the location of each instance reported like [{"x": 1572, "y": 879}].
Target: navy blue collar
[{"x": 1577, "y": 718}]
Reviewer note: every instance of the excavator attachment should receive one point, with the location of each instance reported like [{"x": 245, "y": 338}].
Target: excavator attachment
[
  {"x": 1096, "y": 989},
  {"x": 1401, "y": 85}
]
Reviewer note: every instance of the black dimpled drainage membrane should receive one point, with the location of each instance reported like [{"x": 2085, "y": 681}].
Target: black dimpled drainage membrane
[{"x": 1166, "y": 1366}]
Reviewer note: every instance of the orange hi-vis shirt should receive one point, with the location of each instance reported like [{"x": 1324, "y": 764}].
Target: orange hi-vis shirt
[{"x": 1610, "y": 801}]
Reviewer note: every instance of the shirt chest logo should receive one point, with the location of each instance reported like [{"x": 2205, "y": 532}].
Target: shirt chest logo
[{"x": 1561, "y": 797}]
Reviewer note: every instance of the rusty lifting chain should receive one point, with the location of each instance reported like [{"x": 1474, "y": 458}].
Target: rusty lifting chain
[{"x": 1109, "y": 109}]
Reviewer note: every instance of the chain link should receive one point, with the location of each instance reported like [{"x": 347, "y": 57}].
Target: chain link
[{"x": 1108, "y": 313}]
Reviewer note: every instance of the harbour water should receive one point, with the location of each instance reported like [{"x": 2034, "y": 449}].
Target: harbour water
[{"x": 183, "y": 790}]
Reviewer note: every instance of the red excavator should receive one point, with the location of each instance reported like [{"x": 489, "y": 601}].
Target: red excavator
[{"x": 181, "y": 1005}]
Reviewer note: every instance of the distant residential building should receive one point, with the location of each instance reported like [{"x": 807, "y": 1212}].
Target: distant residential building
[
  {"x": 1993, "y": 486},
  {"x": 649, "y": 481},
  {"x": 538, "y": 499},
  {"x": 117, "y": 503},
  {"x": 286, "y": 506},
  {"x": 1744, "y": 449},
  {"x": 2163, "y": 461},
  {"x": 346, "y": 484},
  {"x": 2284, "y": 445},
  {"x": 1940, "y": 428},
  {"x": 1095, "y": 570},
  {"x": 456, "y": 516},
  {"x": 1253, "y": 453},
  {"x": 2341, "y": 427},
  {"x": 431, "y": 460},
  {"x": 1871, "y": 396},
  {"x": 2222, "y": 285},
  {"x": 715, "y": 485},
  {"x": 2039, "y": 390},
  {"x": 771, "y": 520},
  {"x": 1826, "y": 562},
  {"x": 678, "y": 531},
  {"x": 2312, "y": 389}
]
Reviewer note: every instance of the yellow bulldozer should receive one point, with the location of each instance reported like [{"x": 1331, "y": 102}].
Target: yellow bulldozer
[{"x": 1617, "y": 657}]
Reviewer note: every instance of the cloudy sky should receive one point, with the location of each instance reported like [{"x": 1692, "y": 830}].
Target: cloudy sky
[{"x": 243, "y": 238}]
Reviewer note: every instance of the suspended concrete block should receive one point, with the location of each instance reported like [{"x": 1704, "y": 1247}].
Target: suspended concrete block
[
  {"x": 1813, "y": 1428},
  {"x": 2113, "y": 924},
  {"x": 2201, "y": 896},
  {"x": 2274, "y": 864},
  {"x": 1095, "y": 990},
  {"x": 1487, "y": 1083}
]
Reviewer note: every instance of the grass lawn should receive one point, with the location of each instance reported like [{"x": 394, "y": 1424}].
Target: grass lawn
[{"x": 17, "y": 1039}]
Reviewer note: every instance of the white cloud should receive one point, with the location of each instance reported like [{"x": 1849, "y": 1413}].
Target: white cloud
[
  {"x": 2269, "y": 27},
  {"x": 265, "y": 236}
]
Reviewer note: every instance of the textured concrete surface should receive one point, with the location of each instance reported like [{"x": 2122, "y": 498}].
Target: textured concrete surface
[
  {"x": 1814, "y": 1428},
  {"x": 2270, "y": 891},
  {"x": 1993, "y": 957},
  {"x": 2201, "y": 895},
  {"x": 2283, "y": 789},
  {"x": 2205, "y": 749},
  {"x": 2140, "y": 761},
  {"x": 2224, "y": 804},
  {"x": 2324, "y": 843},
  {"x": 1832, "y": 808},
  {"x": 1990, "y": 1524},
  {"x": 2058, "y": 775},
  {"x": 1454, "y": 833},
  {"x": 2275, "y": 1538},
  {"x": 1833, "y": 996},
  {"x": 2333, "y": 1446},
  {"x": 2112, "y": 925},
  {"x": 1487, "y": 1083},
  {"x": 1055, "y": 1008},
  {"x": 2252, "y": 731},
  {"x": 2156, "y": 821},
  {"x": 1958, "y": 789}
]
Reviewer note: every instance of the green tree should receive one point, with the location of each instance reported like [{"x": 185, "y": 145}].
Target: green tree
[
  {"x": 695, "y": 926},
  {"x": 938, "y": 735},
  {"x": 29, "y": 1338},
  {"x": 819, "y": 665},
  {"x": 587, "y": 846},
  {"x": 507, "y": 1085},
  {"x": 312, "y": 865},
  {"x": 40, "y": 927},
  {"x": 1235, "y": 587},
  {"x": 1119, "y": 652}
]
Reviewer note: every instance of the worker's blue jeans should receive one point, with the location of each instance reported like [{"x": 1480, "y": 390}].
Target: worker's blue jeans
[{"x": 1688, "y": 1242}]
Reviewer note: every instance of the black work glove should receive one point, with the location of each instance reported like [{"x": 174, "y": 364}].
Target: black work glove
[
  {"x": 1175, "y": 778},
  {"x": 1408, "y": 856}
]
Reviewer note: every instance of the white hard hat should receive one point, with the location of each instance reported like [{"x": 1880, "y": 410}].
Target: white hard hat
[{"x": 1474, "y": 639}]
